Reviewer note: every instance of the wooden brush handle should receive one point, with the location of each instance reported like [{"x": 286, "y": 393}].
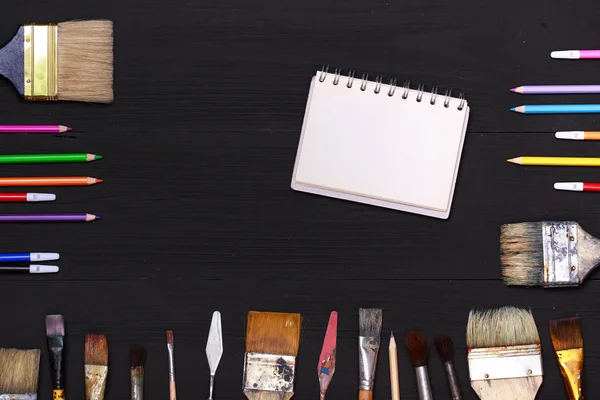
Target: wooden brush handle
[
  {"x": 365, "y": 395},
  {"x": 172, "y": 391}
]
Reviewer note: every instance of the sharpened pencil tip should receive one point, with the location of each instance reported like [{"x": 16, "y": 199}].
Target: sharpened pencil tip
[
  {"x": 99, "y": 180},
  {"x": 512, "y": 160},
  {"x": 97, "y": 157},
  {"x": 513, "y": 89},
  {"x": 513, "y": 109}
]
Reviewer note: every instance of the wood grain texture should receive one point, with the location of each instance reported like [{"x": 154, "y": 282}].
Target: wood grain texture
[
  {"x": 508, "y": 389},
  {"x": 197, "y": 212}
]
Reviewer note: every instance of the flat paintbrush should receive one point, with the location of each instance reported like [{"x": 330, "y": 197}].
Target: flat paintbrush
[
  {"x": 55, "y": 335},
  {"x": 214, "y": 349},
  {"x": 568, "y": 345},
  {"x": 416, "y": 345},
  {"x": 19, "y": 372},
  {"x": 171, "y": 351},
  {"x": 70, "y": 61},
  {"x": 326, "y": 366},
  {"x": 272, "y": 341},
  {"x": 96, "y": 366},
  {"x": 548, "y": 254},
  {"x": 370, "y": 321},
  {"x": 504, "y": 354},
  {"x": 137, "y": 358}
]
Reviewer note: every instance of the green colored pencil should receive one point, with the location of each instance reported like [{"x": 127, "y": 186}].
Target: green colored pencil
[{"x": 47, "y": 158}]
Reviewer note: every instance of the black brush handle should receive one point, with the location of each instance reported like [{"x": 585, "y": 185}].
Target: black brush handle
[
  {"x": 12, "y": 61},
  {"x": 56, "y": 347}
]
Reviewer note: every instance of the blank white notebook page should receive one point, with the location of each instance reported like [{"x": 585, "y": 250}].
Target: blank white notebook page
[{"x": 379, "y": 146}]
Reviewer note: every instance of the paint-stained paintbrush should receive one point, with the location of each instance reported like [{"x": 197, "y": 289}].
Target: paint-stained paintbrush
[
  {"x": 272, "y": 341},
  {"x": 55, "y": 334},
  {"x": 96, "y": 366},
  {"x": 171, "y": 350},
  {"x": 70, "y": 61},
  {"x": 445, "y": 350},
  {"x": 19, "y": 371},
  {"x": 370, "y": 321},
  {"x": 214, "y": 349},
  {"x": 504, "y": 354},
  {"x": 137, "y": 358},
  {"x": 326, "y": 366},
  {"x": 416, "y": 345},
  {"x": 568, "y": 345},
  {"x": 548, "y": 254}
]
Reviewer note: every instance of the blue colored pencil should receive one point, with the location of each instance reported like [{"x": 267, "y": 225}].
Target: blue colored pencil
[
  {"x": 558, "y": 109},
  {"x": 27, "y": 257}
]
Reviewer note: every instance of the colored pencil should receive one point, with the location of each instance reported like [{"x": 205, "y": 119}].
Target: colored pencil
[
  {"x": 32, "y": 269},
  {"x": 578, "y": 186},
  {"x": 26, "y": 197},
  {"x": 27, "y": 257},
  {"x": 578, "y": 135},
  {"x": 49, "y": 181},
  {"x": 557, "y": 109},
  {"x": 557, "y": 89},
  {"x": 80, "y": 217},
  {"x": 575, "y": 54},
  {"x": 34, "y": 129},
  {"x": 557, "y": 161},
  {"x": 47, "y": 158}
]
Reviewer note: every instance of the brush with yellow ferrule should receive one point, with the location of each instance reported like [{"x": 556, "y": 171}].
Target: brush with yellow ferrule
[
  {"x": 70, "y": 61},
  {"x": 55, "y": 336},
  {"x": 504, "y": 354},
  {"x": 96, "y": 366},
  {"x": 19, "y": 372},
  {"x": 272, "y": 341},
  {"x": 568, "y": 345}
]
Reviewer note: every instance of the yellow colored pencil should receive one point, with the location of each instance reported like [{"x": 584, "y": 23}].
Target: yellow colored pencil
[{"x": 557, "y": 161}]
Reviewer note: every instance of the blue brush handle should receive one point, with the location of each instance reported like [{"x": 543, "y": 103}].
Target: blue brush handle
[
  {"x": 18, "y": 257},
  {"x": 12, "y": 61}
]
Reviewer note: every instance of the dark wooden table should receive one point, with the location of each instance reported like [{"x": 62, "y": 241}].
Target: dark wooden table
[{"x": 197, "y": 212}]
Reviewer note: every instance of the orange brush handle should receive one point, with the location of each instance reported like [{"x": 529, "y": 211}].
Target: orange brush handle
[
  {"x": 365, "y": 395},
  {"x": 592, "y": 135}
]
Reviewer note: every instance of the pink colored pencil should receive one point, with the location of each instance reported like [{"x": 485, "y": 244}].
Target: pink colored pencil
[
  {"x": 575, "y": 54},
  {"x": 34, "y": 129},
  {"x": 326, "y": 366}
]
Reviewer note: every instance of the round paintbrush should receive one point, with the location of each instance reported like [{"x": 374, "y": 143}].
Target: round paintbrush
[{"x": 416, "y": 345}]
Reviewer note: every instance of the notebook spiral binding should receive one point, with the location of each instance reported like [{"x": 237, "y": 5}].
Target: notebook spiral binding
[{"x": 393, "y": 86}]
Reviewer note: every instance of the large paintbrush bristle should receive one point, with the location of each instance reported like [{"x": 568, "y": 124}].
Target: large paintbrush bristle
[
  {"x": 273, "y": 333},
  {"x": 566, "y": 333},
  {"x": 55, "y": 325},
  {"x": 96, "y": 350},
  {"x": 522, "y": 253},
  {"x": 416, "y": 345},
  {"x": 444, "y": 347},
  {"x": 505, "y": 326},
  {"x": 369, "y": 322},
  {"x": 19, "y": 370},
  {"x": 85, "y": 61},
  {"x": 137, "y": 357}
]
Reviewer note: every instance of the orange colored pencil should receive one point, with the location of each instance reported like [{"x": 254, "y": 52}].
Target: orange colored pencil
[
  {"x": 578, "y": 135},
  {"x": 49, "y": 181}
]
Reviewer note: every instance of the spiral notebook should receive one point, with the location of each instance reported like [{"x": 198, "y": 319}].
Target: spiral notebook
[{"x": 381, "y": 144}]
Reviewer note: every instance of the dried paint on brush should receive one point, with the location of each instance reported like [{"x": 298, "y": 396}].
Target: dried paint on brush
[
  {"x": 55, "y": 332},
  {"x": 521, "y": 253},
  {"x": 19, "y": 372},
  {"x": 137, "y": 358},
  {"x": 96, "y": 366},
  {"x": 568, "y": 345},
  {"x": 326, "y": 366},
  {"x": 370, "y": 321}
]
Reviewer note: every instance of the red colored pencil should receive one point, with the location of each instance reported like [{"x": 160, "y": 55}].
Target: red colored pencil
[
  {"x": 26, "y": 197},
  {"x": 578, "y": 186}
]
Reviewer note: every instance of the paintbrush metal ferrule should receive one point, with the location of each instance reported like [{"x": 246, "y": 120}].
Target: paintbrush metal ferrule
[
  {"x": 56, "y": 346},
  {"x": 137, "y": 383},
  {"x": 368, "y": 352},
  {"x": 571, "y": 368},
  {"x": 506, "y": 362},
  {"x": 40, "y": 44},
  {"x": 28, "y": 396},
  {"x": 452, "y": 380},
  {"x": 269, "y": 373},
  {"x": 423, "y": 385},
  {"x": 560, "y": 247},
  {"x": 171, "y": 351},
  {"x": 95, "y": 381}
]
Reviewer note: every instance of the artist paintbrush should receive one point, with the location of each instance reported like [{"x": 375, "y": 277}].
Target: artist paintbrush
[
  {"x": 70, "y": 61},
  {"x": 568, "y": 345},
  {"x": 171, "y": 351},
  {"x": 504, "y": 354},
  {"x": 19, "y": 372},
  {"x": 272, "y": 341},
  {"x": 96, "y": 366},
  {"x": 214, "y": 349},
  {"x": 137, "y": 357},
  {"x": 445, "y": 350},
  {"x": 370, "y": 321},
  {"x": 326, "y": 366},
  {"x": 416, "y": 345},
  {"x": 55, "y": 335},
  {"x": 548, "y": 254}
]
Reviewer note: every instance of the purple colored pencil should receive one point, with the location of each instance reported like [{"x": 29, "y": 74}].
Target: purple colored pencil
[
  {"x": 80, "y": 217},
  {"x": 34, "y": 129},
  {"x": 557, "y": 89}
]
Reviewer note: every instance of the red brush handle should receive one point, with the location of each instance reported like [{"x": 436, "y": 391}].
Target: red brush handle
[{"x": 591, "y": 187}]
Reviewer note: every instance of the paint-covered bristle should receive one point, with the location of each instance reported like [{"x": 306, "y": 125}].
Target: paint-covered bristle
[
  {"x": 369, "y": 322},
  {"x": 505, "y": 326},
  {"x": 566, "y": 333},
  {"x": 137, "y": 357},
  {"x": 96, "y": 350},
  {"x": 445, "y": 348},
  {"x": 522, "y": 253},
  {"x": 170, "y": 337},
  {"x": 416, "y": 345},
  {"x": 85, "y": 61},
  {"x": 273, "y": 333},
  {"x": 55, "y": 325},
  {"x": 19, "y": 371}
]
